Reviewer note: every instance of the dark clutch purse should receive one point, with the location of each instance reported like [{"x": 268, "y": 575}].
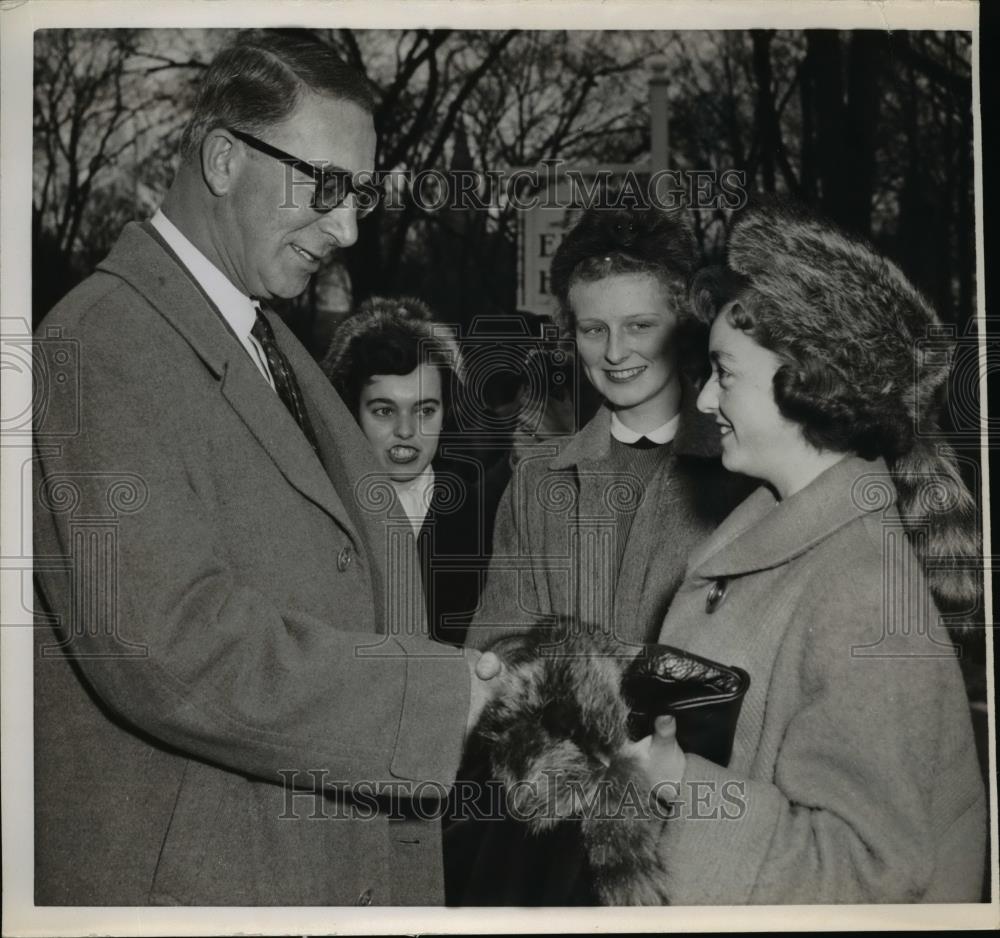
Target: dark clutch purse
[{"x": 705, "y": 697}]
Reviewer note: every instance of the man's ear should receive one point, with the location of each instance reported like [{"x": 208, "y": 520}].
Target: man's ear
[{"x": 220, "y": 160}]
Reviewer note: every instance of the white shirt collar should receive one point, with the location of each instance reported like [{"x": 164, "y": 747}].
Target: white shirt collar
[
  {"x": 415, "y": 497},
  {"x": 236, "y": 307},
  {"x": 662, "y": 434}
]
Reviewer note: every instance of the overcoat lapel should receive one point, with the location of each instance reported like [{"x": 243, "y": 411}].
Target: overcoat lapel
[
  {"x": 345, "y": 451},
  {"x": 140, "y": 260}
]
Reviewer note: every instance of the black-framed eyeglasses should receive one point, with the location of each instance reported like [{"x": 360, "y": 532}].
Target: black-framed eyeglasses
[{"x": 332, "y": 186}]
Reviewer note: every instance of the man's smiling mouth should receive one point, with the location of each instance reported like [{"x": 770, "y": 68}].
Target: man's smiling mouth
[{"x": 308, "y": 255}]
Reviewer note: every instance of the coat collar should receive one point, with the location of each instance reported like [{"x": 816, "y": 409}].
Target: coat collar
[
  {"x": 763, "y": 533},
  {"x": 697, "y": 435},
  {"x": 142, "y": 260}
]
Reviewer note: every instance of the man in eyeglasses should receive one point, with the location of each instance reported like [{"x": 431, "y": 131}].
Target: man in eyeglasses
[{"x": 230, "y": 708}]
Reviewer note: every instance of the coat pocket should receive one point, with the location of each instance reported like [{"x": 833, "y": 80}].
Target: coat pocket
[{"x": 189, "y": 834}]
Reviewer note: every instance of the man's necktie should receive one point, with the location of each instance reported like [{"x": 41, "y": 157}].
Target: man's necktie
[
  {"x": 284, "y": 379},
  {"x": 644, "y": 442}
]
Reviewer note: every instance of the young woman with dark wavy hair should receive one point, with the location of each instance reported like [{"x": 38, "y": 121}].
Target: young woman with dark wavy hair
[
  {"x": 854, "y": 766},
  {"x": 399, "y": 372}
]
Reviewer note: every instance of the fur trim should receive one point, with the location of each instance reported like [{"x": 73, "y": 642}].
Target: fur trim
[
  {"x": 404, "y": 314},
  {"x": 554, "y": 735},
  {"x": 846, "y": 312}
]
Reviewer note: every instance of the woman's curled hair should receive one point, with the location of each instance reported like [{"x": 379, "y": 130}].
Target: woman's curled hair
[
  {"x": 605, "y": 242},
  {"x": 390, "y": 336}
]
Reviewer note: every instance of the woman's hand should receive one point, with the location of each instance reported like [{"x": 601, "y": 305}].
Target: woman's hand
[{"x": 660, "y": 759}]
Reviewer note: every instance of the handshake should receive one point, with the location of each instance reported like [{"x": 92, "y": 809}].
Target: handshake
[{"x": 570, "y": 721}]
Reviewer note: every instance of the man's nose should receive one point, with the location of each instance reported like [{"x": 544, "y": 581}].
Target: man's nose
[
  {"x": 708, "y": 399},
  {"x": 341, "y": 224}
]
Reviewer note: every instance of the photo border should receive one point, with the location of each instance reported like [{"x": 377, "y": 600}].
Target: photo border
[{"x": 17, "y": 24}]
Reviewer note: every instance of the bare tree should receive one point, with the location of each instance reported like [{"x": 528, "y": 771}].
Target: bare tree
[
  {"x": 105, "y": 111},
  {"x": 876, "y": 130}
]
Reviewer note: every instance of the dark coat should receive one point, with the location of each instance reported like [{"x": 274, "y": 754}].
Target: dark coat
[
  {"x": 454, "y": 548},
  {"x": 224, "y": 624}
]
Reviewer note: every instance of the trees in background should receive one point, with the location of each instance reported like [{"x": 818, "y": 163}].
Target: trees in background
[
  {"x": 874, "y": 128},
  {"x": 109, "y": 106}
]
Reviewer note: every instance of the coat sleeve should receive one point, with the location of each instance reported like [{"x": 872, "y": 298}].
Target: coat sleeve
[
  {"x": 854, "y": 811},
  {"x": 215, "y": 667}
]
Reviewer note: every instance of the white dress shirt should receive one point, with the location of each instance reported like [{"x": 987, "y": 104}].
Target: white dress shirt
[
  {"x": 662, "y": 434},
  {"x": 236, "y": 307},
  {"x": 415, "y": 497}
]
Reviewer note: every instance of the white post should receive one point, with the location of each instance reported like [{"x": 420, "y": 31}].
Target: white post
[{"x": 659, "y": 114}]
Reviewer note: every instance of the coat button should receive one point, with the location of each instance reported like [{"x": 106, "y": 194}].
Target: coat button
[
  {"x": 365, "y": 898},
  {"x": 716, "y": 593},
  {"x": 344, "y": 559}
]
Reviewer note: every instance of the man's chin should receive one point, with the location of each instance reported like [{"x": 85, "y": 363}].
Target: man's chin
[{"x": 287, "y": 287}]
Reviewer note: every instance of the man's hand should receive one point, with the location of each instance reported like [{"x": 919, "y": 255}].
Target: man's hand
[
  {"x": 660, "y": 759},
  {"x": 485, "y": 669}
]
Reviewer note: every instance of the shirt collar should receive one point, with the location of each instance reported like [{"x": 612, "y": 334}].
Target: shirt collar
[
  {"x": 662, "y": 434},
  {"x": 415, "y": 496},
  {"x": 236, "y": 307},
  {"x": 697, "y": 434}
]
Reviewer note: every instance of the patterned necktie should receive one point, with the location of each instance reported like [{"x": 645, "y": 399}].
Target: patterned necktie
[{"x": 284, "y": 379}]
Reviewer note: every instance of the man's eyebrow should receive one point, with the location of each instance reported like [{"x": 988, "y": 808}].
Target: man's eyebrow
[{"x": 715, "y": 355}]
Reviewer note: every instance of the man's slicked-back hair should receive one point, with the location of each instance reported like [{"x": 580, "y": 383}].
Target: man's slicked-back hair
[{"x": 259, "y": 80}]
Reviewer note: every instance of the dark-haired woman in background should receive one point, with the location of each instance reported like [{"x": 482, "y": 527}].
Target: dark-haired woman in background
[
  {"x": 854, "y": 775},
  {"x": 397, "y": 370},
  {"x": 598, "y": 530}
]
